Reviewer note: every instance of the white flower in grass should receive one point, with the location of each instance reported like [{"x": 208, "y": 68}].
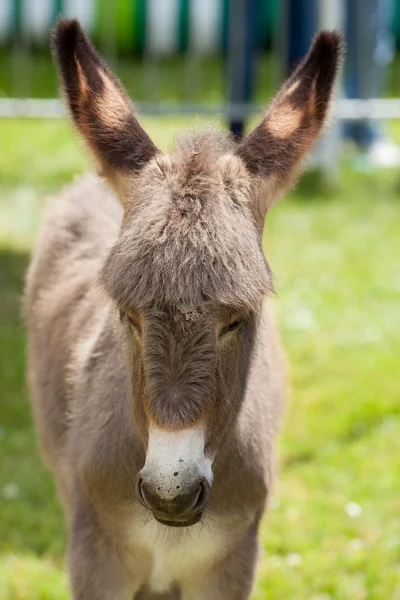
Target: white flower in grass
[
  {"x": 293, "y": 559},
  {"x": 353, "y": 509},
  {"x": 356, "y": 545},
  {"x": 10, "y": 491}
]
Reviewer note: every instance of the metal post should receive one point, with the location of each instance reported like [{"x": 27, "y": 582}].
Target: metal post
[
  {"x": 301, "y": 25},
  {"x": 330, "y": 16},
  {"x": 21, "y": 58},
  {"x": 361, "y": 72},
  {"x": 241, "y": 42}
]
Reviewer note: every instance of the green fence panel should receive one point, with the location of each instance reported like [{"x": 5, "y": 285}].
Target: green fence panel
[{"x": 132, "y": 20}]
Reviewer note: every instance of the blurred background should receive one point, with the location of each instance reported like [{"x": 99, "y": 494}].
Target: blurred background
[{"x": 333, "y": 531}]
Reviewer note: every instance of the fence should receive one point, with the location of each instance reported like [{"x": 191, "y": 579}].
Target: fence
[
  {"x": 159, "y": 27},
  {"x": 175, "y": 56}
]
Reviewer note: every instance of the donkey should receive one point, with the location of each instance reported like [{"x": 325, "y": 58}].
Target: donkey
[{"x": 154, "y": 365}]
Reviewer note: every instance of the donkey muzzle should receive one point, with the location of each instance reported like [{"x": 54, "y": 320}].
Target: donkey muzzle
[
  {"x": 175, "y": 482},
  {"x": 181, "y": 510}
]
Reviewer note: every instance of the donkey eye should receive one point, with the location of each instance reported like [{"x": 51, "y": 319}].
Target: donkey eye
[{"x": 234, "y": 326}]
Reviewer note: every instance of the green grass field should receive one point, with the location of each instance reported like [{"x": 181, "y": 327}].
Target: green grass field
[{"x": 334, "y": 528}]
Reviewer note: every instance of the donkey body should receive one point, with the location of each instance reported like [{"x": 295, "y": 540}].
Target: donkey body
[{"x": 154, "y": 366}]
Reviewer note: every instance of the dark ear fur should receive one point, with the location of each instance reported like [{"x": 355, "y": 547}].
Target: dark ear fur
[
  {"x": 294, "y": 120},
  {"x": 98, "y": 103}
]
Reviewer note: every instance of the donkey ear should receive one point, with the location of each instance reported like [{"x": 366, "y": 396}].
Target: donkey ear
[
  {"x": 99, "y": 106},
  {"x": 275, "y": 150}
]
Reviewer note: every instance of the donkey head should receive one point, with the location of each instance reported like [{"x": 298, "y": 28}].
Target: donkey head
[{"x": 187, "y": 275}]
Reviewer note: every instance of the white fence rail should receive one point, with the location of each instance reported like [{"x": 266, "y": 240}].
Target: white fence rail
[{"x": 345, "y": 109}]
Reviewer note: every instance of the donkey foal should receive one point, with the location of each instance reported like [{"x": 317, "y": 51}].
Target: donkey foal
[{"x": 154, "y": 366}]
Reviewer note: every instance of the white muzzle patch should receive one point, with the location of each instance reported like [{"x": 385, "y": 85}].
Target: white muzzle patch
[{"x": 175, "y": 459}]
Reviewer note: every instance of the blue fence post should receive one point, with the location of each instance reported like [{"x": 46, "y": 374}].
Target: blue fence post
[
  {"x": 241, "y": 57},
  {"x": 302, "y": 20},
  {"x": 370, "y": 50}
]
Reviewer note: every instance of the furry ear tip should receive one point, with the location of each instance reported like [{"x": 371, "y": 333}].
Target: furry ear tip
[
  {"x": 65, "y": 35},
  {"x": 331, "y": 42}
]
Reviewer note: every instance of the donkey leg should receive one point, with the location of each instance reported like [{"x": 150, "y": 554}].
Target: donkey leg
[
  {"x": 95, "y": 568},
  {"x": 233, "y": 578}
]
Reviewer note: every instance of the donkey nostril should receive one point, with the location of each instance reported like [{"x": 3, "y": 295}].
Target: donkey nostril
[
  {"x": 176, "y": 504},
  {"x": 139, "y": 492},
  {"x": 200, "y": 497},
  {"x": 203, "y": 497}
]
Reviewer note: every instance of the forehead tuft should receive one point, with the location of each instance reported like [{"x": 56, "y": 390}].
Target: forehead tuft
[{"x": 190, "y": 235}]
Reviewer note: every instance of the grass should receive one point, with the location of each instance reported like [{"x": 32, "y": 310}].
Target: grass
[{"x": 333, "y": 531}]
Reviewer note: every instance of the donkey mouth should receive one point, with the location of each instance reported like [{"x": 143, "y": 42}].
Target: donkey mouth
[{"x": 192, "y": 521}]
